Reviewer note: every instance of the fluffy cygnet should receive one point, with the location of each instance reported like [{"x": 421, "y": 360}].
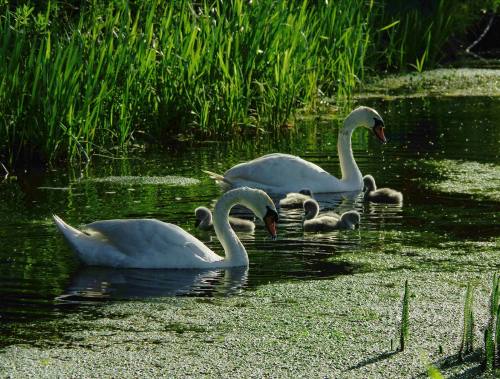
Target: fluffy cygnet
[
  {"x": 328, "y": 222},
  {"x": 204, "y": 221},
  {"x": 295, "y": 199},
  {"x": 381, "y": 195}
]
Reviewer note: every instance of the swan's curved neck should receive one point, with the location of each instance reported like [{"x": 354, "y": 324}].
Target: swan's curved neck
[
  {"x": 348, "y": 166},
  {"x": 235, "y": 253}
]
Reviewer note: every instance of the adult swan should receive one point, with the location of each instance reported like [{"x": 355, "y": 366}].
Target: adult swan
[
  {"x": 148, "y": 243},
  {"x": 283, "y": 173}
]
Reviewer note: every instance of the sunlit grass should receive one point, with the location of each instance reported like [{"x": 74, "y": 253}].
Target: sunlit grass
[
  {"x": 169, "y": 68},
  {"x": 467, "y": 343},
  {"x": 404, "y": 332},
  {"x": 73, "y": 83}
]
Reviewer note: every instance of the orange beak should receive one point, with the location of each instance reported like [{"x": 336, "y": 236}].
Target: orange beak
[
  {"x": 271, "y": 225},
  {"x": 379, "y": 132}
]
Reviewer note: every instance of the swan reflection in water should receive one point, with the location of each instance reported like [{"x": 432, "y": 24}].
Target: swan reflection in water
[{"x": 100, "y": 283}]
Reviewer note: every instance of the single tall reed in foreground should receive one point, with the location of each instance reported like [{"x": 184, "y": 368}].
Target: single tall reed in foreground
[
  {"x": 492, "y": 332},
  {"x": 404, "y": 332},
  {"x": 466, "y": 345}
]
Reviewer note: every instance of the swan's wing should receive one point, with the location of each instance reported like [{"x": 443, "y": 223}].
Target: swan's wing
[
  {"x": 280, "y": 171},
  {"x": 138, "y": 238}
]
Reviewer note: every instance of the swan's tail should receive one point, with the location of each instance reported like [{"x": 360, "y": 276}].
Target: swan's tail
[
  {"x": 218, "y": 177},
  {"x": 73, "y": 236},
  {"x": 67, "y": 230}
]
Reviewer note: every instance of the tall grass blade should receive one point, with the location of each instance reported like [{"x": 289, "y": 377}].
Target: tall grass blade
[{"x": 405, "y": 319}]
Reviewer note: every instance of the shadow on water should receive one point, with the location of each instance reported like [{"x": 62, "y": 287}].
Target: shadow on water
[{"x": 40, "y": 277}]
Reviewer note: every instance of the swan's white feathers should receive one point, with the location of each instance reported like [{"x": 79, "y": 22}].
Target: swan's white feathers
[
  {"x": 280, "y": 173},
  {"x": 149, "y": 243},
  {"x": 140, "y": 238}
]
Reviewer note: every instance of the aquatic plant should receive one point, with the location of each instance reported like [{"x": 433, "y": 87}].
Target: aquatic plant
[
  {"x": 466, "y": 345},
  {"x": 492, "y": 330},
  {"x": 166, "y": 70},
  {"x": 405, "y": 318},
  {"x": 419, "y": 34},
  {"x": 434, "y": 373},
  {"x": 80, "y": 79}
]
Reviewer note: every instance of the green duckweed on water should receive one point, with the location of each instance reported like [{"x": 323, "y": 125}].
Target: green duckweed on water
[
  {"x": 332, "y": 328},
  {"x": 438, "y": 82},
  {"x": 168, "y": 180},
  {"x": 480, "y": 180}
]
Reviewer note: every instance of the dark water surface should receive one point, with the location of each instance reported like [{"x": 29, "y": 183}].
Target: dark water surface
[{"x": 40, "y": 277}]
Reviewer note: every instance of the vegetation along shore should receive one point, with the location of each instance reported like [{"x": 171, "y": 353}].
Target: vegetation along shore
[{"x": 88, "y": 76}]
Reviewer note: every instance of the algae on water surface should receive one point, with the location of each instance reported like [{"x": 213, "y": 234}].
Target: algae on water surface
[{"x": 480, "y": 180}]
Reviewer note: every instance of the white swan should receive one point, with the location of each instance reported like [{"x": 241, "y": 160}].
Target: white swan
[
  {"x": 295, "y": 199},
  {"x": 204, "y": 221},
  {"x": 148, "y": 243},
  {"x": 283, "y": 173},
  {"x": 329, "y": 221},
  {"x": 381, "y": 195}
]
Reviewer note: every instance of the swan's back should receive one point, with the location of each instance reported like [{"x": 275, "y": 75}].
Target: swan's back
[
  {"x": 140, "y": 243},
  {"x": 281, "y": 173}
]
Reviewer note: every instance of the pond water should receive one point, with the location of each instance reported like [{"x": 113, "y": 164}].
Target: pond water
[{"x": 431, "y": 141}]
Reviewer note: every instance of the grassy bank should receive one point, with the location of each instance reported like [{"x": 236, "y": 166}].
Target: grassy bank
[{"x": 76, "y": 80}]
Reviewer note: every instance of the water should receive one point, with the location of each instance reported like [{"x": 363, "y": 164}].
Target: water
[{"x": 40, "y": 277}]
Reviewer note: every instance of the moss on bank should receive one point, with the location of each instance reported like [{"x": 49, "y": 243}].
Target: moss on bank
[{"x": 439, "y": 82}]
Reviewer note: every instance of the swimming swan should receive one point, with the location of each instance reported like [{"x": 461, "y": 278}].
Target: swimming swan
[
  {"x": 327, "y": 222},
  {"x": 381, "y": 195},
  {"x": 204, "y": 221},
  {"x": 283, "y": 173},
  {"x": 295, "y": 199},
  {"x": 148, "y": 243}
]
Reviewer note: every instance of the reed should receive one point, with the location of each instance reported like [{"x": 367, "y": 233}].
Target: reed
[
  {"x": 75, "y": 82},
  {"x": 404, "y": 332},
  {"x": 492, "y": 331},
  {"x": 169, "y": 68},
  {"x": 467, "y": 343}
]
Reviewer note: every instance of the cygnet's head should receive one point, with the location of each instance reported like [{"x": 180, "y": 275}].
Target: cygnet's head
[
  {"x": 306, "y": 191},
  {"x": 369, "y": 183},
  {"x": 368, "y": 118},
  {"x": 350, "y": 219},
  {"x": 260, "y": 204},
  {"x": 203, "y": 217},
  {"x": 311, "y": 209}
]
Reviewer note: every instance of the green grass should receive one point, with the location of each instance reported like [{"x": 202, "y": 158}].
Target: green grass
[
  {"x": 100, "y": 76},
  {"x": 466, "y": 346},
  {"x": 492, "y": 331},
  {"x": 404, "y": 333}
]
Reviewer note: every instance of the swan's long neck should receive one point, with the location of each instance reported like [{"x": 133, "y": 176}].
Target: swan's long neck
[
  {"x": 348, "y": 166},
  {"x": 235, "y": 253}
]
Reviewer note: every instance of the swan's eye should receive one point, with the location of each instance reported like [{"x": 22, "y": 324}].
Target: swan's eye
[
  {"x": 271, "y": 213},
  {"x": 378, "y": 123},
  {"x": 378, "y": 129}
]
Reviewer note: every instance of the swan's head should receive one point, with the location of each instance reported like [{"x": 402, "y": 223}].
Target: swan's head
[
  {"x": 368, "y": 118},
  {"x": 350, "y": 219},
  {"x": 203, "y": 217},
  {"x": 261, "y": 205},
  {"x": 306, "y": 191},
  {"x": 311, "y": 209},
  {"x": 369, "y": 183}
]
